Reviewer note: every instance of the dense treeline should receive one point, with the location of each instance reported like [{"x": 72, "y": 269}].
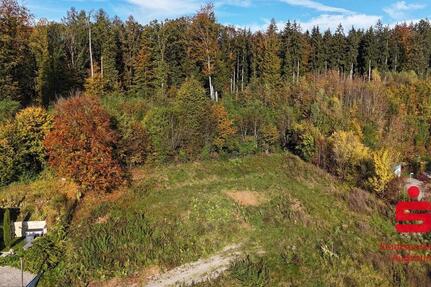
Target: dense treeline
[
  {"x": 47, "y": 60},
  {"x": 351, "y": 102}
]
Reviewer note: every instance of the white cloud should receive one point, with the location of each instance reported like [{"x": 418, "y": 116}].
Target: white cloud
[
  {"x": 325, "y": 21},
  {"x": 147, "y": 10},
  {"x": 151, "y": 9},
  {"x": 400, "y": 9},
  {"x": 316, "y": 6},
  {"x": 332, "y": 21},
  {"x": 239, "y": 3}
]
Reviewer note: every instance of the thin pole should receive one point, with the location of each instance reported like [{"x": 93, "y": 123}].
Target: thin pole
[{"x": 22, "y": 273}]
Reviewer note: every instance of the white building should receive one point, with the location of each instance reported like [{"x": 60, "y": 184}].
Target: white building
[
  {"x": 397, "y": 170},
  {"x": 30, "y": 228}
]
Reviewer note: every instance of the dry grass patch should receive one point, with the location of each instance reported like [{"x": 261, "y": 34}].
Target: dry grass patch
[
  {"x": 136, "y": 280},
  {"x": 246, "y": 198}
]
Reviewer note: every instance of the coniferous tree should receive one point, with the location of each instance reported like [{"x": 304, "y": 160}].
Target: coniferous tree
[
  {"x": 75, "y": 35},
  {"x": 368, "y": 53},
  {"x": 7, "y": 230},
  {"x": 339, "y": 49},
  {"x": 353, "y": 40},
  {"x": 271, "y": 60},
  {"x": 382, "y": 35},
  {"x": 52, "y": 76},
  {"x": 105, "y": 50},
  {"x": 130, "y": 40},
  {"x": 316, "y": 57}
]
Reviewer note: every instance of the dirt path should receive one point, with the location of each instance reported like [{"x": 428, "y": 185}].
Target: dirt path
[
  {"x": 199, "y": 271},
  {"x": 11, "y": 277}
]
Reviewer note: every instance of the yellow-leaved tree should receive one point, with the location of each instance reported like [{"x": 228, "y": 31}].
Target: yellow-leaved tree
[
  {"x": 382, "y": 162},
  {"x": 349, "y": 155}
]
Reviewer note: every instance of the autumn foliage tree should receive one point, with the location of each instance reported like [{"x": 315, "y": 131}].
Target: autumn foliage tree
[
  {"x": 81, "y": 144},
  {"x": 22, "y": 154},
  {"x": 224, "y": 127}
]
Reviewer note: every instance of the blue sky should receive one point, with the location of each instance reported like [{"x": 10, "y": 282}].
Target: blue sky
[{"x": 255, "y": 14}]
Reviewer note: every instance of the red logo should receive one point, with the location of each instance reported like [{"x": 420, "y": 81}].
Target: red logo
[{"x": 416, "y": 212}]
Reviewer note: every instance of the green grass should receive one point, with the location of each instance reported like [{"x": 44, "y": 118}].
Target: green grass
[{"x": 304, "y": 232}]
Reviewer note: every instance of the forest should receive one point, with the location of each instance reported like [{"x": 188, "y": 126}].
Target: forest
[{"x": 92, "y": 96}]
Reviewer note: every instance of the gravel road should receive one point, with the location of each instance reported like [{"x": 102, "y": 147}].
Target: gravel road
[{"x": 11, "y": 277}]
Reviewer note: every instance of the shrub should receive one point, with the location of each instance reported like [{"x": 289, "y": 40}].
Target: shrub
[
  {"x": 247, "y": 146},
  {"x": 120, "y": 106},
  {"x": 132, "y": 146},
  {"x": 269, "y": 136},
  {"x": 194, "y": 117},
  {"x": 80, "y": 146},
  {"x": 382, "y": 161},
  {"x": 349, "y": 155},
  {"x": 161, "y": 124},
  {"x": 30, "y": 128},
  {"x": 21, "y": 144},
  {"x": 301, "y": 141},
  {"x": 393, "y": 191},
  {"x": 8, "y": 108},
  {"x": 251, "y": 272},
  {"x": 7, "y": 171},
  {"x": 224, "y": 128}
]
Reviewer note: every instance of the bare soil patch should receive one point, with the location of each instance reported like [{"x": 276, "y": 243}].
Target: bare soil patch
[{"x": 246, "y": 198}]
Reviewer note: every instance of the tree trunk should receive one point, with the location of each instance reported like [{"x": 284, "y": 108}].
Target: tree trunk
[
  {"x": 297, "y": 72},
  {"x": 234, "y": 80},
  {"x": 90, "y": 48},
  {"x": 211, "y": 88},
  {"x": 369, "y": 71},
  {"x": 242, "y": 73}
]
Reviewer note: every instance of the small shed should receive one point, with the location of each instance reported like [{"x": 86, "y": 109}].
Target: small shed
[{"x": 30, "y": 228}]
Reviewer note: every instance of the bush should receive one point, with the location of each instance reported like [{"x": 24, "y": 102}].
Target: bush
[
  {"x": 224, "y": 128},
  {"x": 161, "y": 124},
  {"x": 21, "y": 144},
  {"x": 8, "y": 108},
  {"x": 132, "y": 146},
  {"x": 382, "y": 161},
  {"x": 269, "y": 137},
  {"x": 251, "y": 272},
  {"x": 193, "y": 107},
  {"x": 7, "y": 156},
  {"x": 81, "y": 144},
  {"x": 349, "y": 155},
  {"x": 393, "y": 190},
  {"x": 248, "y": 146},
  {"x": 302, "y": 141},
  {"x": 30, "y": 129}
]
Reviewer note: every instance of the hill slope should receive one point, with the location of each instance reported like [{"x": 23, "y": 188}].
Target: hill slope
[{"x": 297, "y": 225}]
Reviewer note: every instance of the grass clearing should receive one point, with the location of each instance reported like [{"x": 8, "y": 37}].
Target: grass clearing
[{"x": 297, "y": 226}]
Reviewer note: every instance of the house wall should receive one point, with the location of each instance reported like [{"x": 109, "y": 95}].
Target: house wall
[{"x": 22, "y": 226}]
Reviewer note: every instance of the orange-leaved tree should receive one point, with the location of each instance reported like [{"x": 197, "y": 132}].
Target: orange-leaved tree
[{"x": 80, "y": 145}]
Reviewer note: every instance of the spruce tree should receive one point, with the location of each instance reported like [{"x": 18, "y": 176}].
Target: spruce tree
[{"x": 7, "y": 229}]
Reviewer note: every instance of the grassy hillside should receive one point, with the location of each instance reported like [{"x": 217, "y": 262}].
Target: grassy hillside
[{"x": 297, "y": 224}]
